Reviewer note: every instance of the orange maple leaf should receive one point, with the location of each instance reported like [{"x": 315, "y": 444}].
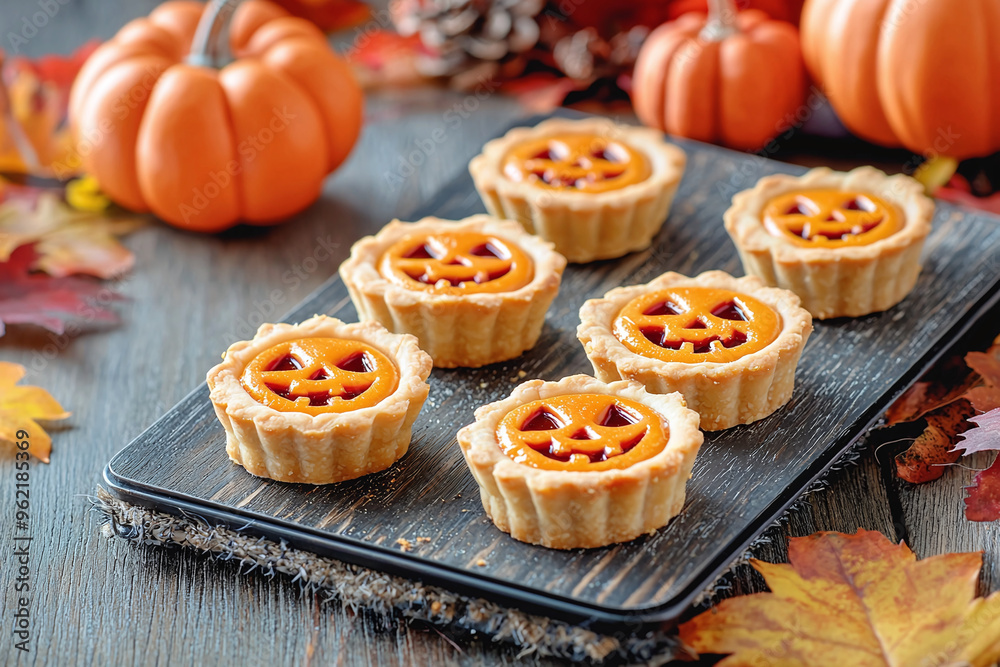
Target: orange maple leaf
[
  {"x": 21, "y": 406},
  {"x": 855, "y": 600},
  {"x": 68, "y": 241},
  {"x": 986, "y": 396}
]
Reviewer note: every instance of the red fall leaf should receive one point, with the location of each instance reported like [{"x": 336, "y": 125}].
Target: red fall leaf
[
  {"x": 983, "y": 501},
  {"x": 52, "y": 303},
  {"x": 933, "y": 450}
]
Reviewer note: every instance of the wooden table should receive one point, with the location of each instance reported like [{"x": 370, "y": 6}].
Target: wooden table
[{"x": 101, "y": 601}]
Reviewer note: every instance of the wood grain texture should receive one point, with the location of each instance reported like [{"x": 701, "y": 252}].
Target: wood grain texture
[
  {"x": 742, "y": 476},
  {"x": 106, "y": 602}
]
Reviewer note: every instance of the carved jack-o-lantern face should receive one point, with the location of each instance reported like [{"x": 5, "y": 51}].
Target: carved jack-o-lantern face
[
  {"x": 581, "y": 432},
  {"x": 320, "y": 375},
  {"x": 696, "y": 324},
  {"x": 457, "y": 263},
  {"x": 576, "y": 161},
  {"x": 831, "y": 218}
]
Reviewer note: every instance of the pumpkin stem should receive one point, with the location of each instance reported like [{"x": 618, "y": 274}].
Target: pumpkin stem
[
  {"x": 208, "y": 49},
  {"x": 721, "y": 21}
]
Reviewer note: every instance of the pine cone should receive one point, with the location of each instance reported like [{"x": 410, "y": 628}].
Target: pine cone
[{"x": 463, "y": 33}]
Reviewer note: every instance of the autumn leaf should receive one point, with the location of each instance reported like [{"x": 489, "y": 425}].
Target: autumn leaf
[
  {"x": 49, "y": 302},
  {"x": 925, "y": 459},
  {"x": 983, "y": 501},
  {"x": 34, "y": 134},
  {"x": 68, "y": 241},
  {"x": 986, "y": 396},
  {"x": 21, "y": 406},
  {"x": 856, "y": 600},
  {"x": 384, "y": 58},
  {"x": 984, "y": 436},
  {"x": 951, "y": 378}
]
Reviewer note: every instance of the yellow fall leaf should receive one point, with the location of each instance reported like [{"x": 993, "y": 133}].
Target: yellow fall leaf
[
  {"x": 20, "y": 406},
  {"x": 855, "y": 600}
]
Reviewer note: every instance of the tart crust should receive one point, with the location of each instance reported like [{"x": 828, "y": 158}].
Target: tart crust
[
  {"x": 326, "y": 448},
  {"x": 468, "y": 330},
  {"x": 584, "y": 226},
  {"x": 571, "y": 509},
  {"x": 724, "y": 394},
  {"x": 846, "y": 281}
]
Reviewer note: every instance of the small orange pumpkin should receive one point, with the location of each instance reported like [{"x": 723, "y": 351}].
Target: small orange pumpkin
[
  {"x": 162, "y": 130},
  {"x": 734, "y": 78},
  {"x": 924, "y": 74}
]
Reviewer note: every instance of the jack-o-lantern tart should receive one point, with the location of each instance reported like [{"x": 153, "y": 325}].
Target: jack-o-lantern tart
[
  {"x": 580, "y": 463},
  {"x": 848, "y": 244},
  {"x": 729, "y": 345},
  {"x": 597, "y": 190},
  {"x": 166, "y": 124},
  {"x": 321, "y": 401},
  {"x": 473, "y": 291}
]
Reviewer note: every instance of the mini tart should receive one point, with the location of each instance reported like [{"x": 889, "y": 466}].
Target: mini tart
[
  {"x": 473, "y": 291},
  {"x": 729, "y": 345},
  {"x": 321, "y": 401},
  {"x": 596, "y": 189},
  {"x": 633, "y": 488},
  {"x": 786, "y": 230}
]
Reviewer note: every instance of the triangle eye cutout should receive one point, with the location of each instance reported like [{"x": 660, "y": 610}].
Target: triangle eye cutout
[
  {"x": 286, "y": 363},
  {"x": 356, "y": 363},
  {"x": 729, "y": 311},
  {"x": 489, "y": 249},
  {"x": 665, "y": 308},
  {"x": 423, "y": 251},
  {"x": 543, "y": 420},
  {"x": 616, "y": 417}
]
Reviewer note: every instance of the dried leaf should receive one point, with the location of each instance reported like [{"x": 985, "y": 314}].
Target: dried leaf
[
  {"x": 950, "y": 379},
  {"x": 926, "y": 458},
  {"x": 542, "y": 92},
  {"x": 21, "y": 406},
  {"x": 983, "y": 501},
  {"x": 384, "y": 58},
  {"x": 984, "y": 436},
  {"x": 46, "y": 301},
  {"x": 987, "y": 396},
  {"x": 37, "y": 92},
  {"x": 68, "y": 241},
  {"x": 856, "y": 600},
  {"x": 958, "y": 191}
]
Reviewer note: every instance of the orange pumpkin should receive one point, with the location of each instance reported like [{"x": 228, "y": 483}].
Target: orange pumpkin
[
  {"x": 924, "y": 74},
  {"x": 203, "y": 148},
  {"x": 734, "y": 78}
]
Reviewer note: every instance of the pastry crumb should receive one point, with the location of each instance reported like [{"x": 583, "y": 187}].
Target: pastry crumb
[
  {"x": 480, "y": 563},
  {"x": 404, "y": 544},
  {"x": 435, "y": 607},
  {"x": 522, "y": 374},
  {"x": 422, "y": 540},
  {"x": 483, "y": 385}
]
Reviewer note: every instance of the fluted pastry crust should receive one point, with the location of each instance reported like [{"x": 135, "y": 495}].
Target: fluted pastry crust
[
  {"x": 468, "y": 330},
  {"x": 326, "y": 448},
  {"x": 570, "y": 509},
  {"x": 848, "y": 281},
  {"x": 584, "y": 226},
  {"x": 724, "y": 394}
]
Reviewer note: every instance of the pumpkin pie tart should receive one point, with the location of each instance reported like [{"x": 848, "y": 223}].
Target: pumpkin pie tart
[
  {"x": 848, "y": 244},
  {"x": 473, "y": 291},
  {"x": 321, "y": 401},
  {"x": 729, "y": 345},
  {"x": 596, "y": 189},
  {"x": 580, "y": 463}
]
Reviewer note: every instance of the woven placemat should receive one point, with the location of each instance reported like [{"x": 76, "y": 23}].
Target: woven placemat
[{"x": 361, "y": 588}]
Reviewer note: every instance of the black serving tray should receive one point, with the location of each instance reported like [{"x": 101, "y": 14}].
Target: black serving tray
[{"x": 744, "y": 478}]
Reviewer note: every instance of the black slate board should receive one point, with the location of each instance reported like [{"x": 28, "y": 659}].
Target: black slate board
[{"x": 744, "y": 478}]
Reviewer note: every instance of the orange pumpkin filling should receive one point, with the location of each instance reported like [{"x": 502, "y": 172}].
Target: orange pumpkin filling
[
  {"x": 582, "y": 432},
  {"x": 584, "y": 162},
  {"x": 696, "y": 324},
  {"x": 320, "y": 375},
  {"x": 831, "y": 218},
  {"x": 457, "y": 263}
]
